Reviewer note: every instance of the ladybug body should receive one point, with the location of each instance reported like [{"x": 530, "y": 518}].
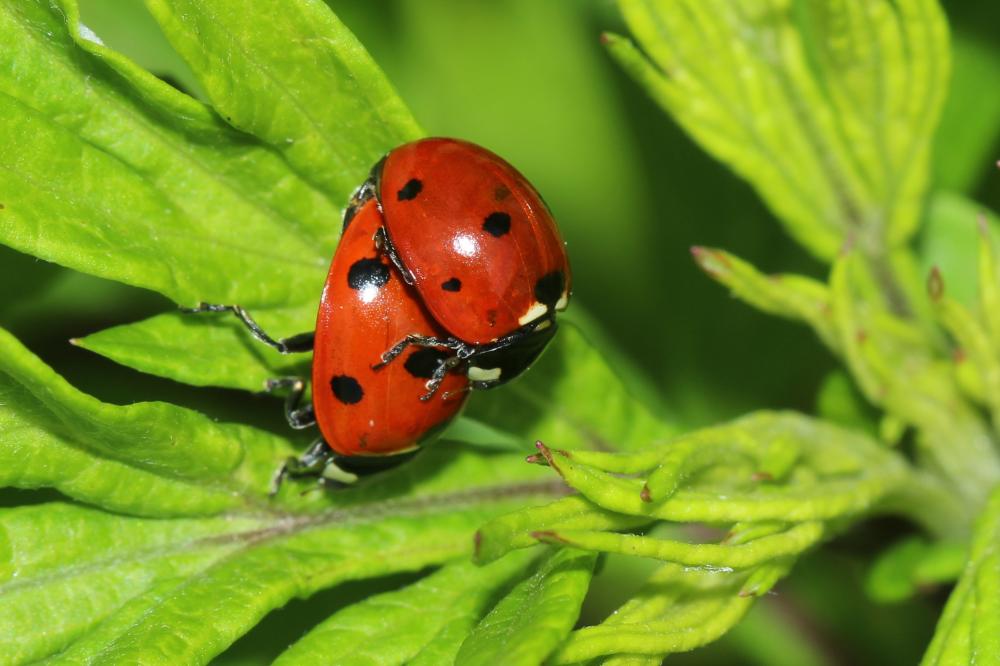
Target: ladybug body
[
  {"x": 365, "y": 308},
  {"x": 448, "y": 277},
  {"x": 480, "y": 246}
]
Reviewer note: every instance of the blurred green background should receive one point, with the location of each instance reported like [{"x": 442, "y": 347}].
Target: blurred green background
[{"x": 530, "y": 80}]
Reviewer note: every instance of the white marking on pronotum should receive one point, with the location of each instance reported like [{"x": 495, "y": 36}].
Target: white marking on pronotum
[
  {"x": 563, "y": 301},
  {"x": 533, "y": 313},
  {"x": 483, "y": 374}
]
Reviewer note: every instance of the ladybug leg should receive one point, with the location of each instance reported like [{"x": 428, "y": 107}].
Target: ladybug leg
[
  {"x": 302, "y": 342},
  {"x": 419, "y": 341},
  {"x": 310, "y": 463},
  {"x": 439, "y": 373},
  {"x": 383, "y": 243},
  {"x": 298, "y": 417}
]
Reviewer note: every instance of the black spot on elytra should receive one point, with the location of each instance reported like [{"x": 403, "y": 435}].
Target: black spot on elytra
[
  {"x": 346, "y": 389},
  {"x": 549, "y": 288},
  {"x": 497, "y": 224},
  {"x": 410, "y": 190},
  {"x": 423, "y": 362},
  {"x": 454, "y": 284},
  {"x": 501, "y": 192},
  {"x": 367, "y": 272}
]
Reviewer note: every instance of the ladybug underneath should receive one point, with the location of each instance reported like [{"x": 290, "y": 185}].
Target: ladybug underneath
[{"x": 447, "y": 277}]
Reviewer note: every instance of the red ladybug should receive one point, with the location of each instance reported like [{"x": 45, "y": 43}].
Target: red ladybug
[
  {"x": 364, "y": 309},
  {"x": 480, "y": 246},
  {"x": 369, "y": 417},
  {"x": 449, "y": 257}
]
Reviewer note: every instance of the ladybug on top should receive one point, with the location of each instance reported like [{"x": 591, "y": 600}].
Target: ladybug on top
[{"x": 448, "y": 256}]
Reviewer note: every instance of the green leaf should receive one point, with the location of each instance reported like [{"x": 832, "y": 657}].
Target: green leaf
[
  {"x": 104, "y": 586},
  {"x": 305, "y": 86},
  {"x": 572, "y": 397},
  {"x": 827, "y": 109},
  {"x": 519, "y": 528},
  {"x": 678, "y": 609},
  {"x": 950, "y": 239},
  {"x": 790, "y": 296},
  {"x": 970, "y": 121},
  {"x": 186, "y": 347},
  {"x": 133, "y": 457},
  {"x": 531, "y": 621},
  {"x": 112, "y": 162},
  {"x": 969, "y": 629},
  {"x": 840, "y": 473},
  {"x": 422, "y": 623},
  {"x": 911, "y": 564}
]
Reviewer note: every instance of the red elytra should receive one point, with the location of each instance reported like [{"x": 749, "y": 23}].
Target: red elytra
[
  {"x": 481, "y": 245},
  {"x": 365, "y": 308}
]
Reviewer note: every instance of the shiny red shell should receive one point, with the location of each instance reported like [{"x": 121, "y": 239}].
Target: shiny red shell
[
  {"x": 485, "y": 254},
  {"x": 365, "y": 309}
]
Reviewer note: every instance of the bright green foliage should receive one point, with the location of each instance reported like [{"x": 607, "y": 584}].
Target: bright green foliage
[
  {"x": 531, "y": 621},
  {"x": 420, "y": 624},
  {"x": 825, "y": 107},
  {"x": 103, "y": 584},
  {"x": 969, "y": 630},
  {"x": 676, "y": 611},
  {"x": 163, "y": 545},
  {"x": 304, "y": 85},
  {"x": 896, "y": 364},
  {"x": 781, "y": 482},
  {"x": 914, "y": 563}
]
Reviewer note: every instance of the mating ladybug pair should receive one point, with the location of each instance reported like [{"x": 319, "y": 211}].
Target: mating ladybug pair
[{"x": 448, "y": 277}]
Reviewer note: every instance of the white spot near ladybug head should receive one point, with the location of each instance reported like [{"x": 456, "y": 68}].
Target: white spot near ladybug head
[
  {"x": 563, "y": 301},
  {"x": 465, "y": 245},
  {"x": 533, "y": 313},
  {"x": 483, "y": 374}
]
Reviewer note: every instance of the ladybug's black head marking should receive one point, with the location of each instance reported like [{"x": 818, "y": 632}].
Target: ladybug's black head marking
[
  {"x": 549, "y": 288},
  {"x": 410, "y": 190},
  {"x": 497, "y": 224},
  {"x": 346, "y": 389},
  {"x": 423, "y": 362},
  {"x": 454, "y": 284},
  {"x": 367, "y": 272}
]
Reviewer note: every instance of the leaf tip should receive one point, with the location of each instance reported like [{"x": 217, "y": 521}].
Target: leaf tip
[
  {"x": 935, "y": 284},
  {"x": 550, "y": 537},
  {"x": 712, "y": 262}
]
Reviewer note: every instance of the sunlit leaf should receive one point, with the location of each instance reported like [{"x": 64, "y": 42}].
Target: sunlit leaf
[{"x": 827, "y": 108}]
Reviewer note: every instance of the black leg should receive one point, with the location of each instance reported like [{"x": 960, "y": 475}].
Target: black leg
[
  {"x": 302, "y": 342},
  {"x": 417, "y": 341},
  {"x": 310, "y": 463},
  {"x": 383, "y": 243},
  {"x": 298, "y": 417},
  {"x": 439, "y": 373}
]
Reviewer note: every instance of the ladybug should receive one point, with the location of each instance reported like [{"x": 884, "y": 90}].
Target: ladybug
[
  {"x": 482, "y": 249},
  {"x": 370, "y": 417},
  {"x": 450, "y": 262}
]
